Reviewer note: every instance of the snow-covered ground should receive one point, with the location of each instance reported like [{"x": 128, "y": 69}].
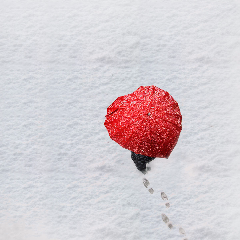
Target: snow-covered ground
[{"x": 62, "y": 63}]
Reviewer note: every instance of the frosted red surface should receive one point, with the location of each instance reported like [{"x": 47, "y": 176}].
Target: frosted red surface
[{"x": 147, "y": 121}]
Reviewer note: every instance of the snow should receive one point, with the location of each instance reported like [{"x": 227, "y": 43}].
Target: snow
[{"x": 62, "y": 64}]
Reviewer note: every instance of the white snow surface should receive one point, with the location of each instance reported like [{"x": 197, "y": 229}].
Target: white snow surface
[{"x": 62, "y": 64}]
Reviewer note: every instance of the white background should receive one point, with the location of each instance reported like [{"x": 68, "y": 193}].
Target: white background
[{"x": 62, "y": 63}]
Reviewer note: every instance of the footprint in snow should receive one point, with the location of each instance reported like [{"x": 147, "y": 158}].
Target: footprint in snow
[
  {"x": 170, "y": 225},
  {"x": 151, "y": 190},
  {"x": 145, "y": 182},
  {"x": 164, "y": 196},
  {"x": 165, "y": 218},
  {"x": 181, "y": 230},
  {"x": 167, "y": 205}
]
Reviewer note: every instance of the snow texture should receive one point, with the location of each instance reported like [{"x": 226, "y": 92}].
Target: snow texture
[{"x": 62, "y": 64}]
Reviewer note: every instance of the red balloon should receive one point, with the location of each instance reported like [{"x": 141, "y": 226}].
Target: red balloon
[{"x": 147, "y": 122}]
